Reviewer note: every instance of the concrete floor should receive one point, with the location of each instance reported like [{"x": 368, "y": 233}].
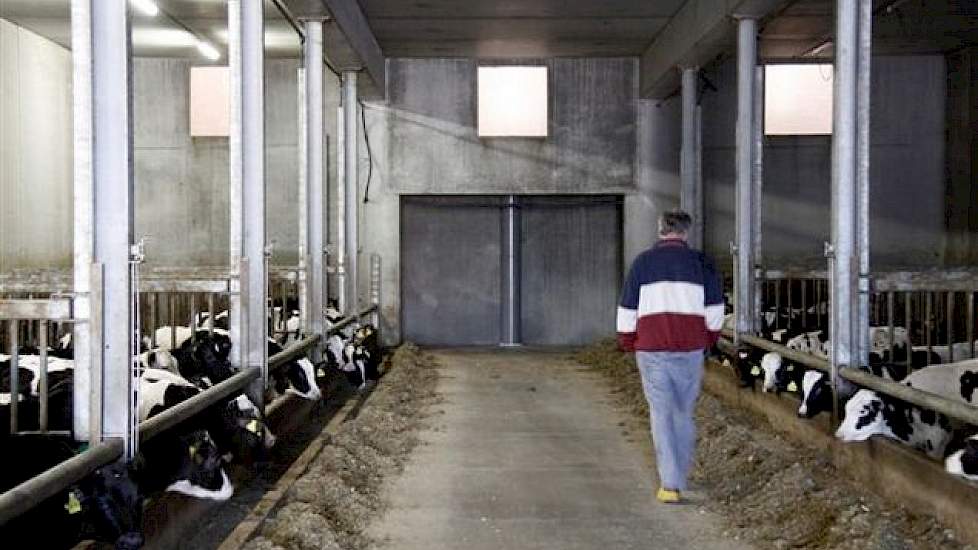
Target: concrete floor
[{"x": 527, "y": 452}]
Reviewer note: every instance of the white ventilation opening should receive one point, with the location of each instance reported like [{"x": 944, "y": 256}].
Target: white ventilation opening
[
  {"x": 210, "y": 101},
  {"x": 513, "y": 101},
  {"x": 798, "y": 99}
]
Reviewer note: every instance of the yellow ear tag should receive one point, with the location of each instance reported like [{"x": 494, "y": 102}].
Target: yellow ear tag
[
  {"x": 73, "y": 506},
  {"x": 193, "y": 451},
  {"x": 756, "y": 371},
  {"x": 252, "y": 427},
  {"x": 321, "y": 373},
  {"x": 792, "y": 387}
]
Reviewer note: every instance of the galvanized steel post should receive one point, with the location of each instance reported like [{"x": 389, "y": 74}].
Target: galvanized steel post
[
  {"x": 745, "y": 202},
  {"x": 84, "y": 205},
  {"x": 108, "y": 196},
  {"x": 863, "y": 79},
  {"x": 691, "y": 187},
  {"x": 315, "y": 217},
  {"x": 247, "y": 171},
  {"x": 757, "y": 193},
  {"x": 844, "y": 264},
  {"x": 351, "y": 192}
]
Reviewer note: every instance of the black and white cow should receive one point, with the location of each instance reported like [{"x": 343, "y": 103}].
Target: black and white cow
[
  {"x": 297, "y": 376},
  {"x": 964, "y": 462},
  {"x": 185, "y": 459},
  {"x": 869, "y": 413}
]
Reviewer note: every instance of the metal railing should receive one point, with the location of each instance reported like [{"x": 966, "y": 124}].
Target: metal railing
[
  {"x": 949, "y": 407},
  {"x": 32, "y": 492}
]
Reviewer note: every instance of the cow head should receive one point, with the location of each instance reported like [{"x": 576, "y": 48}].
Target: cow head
[
  {"x": 199, "y": 470},
  {"x": 211, "y": 352},
  {"x": 864, "y": 417},
  {"x": 816, "y": 395},
  {"x": 771, "y": 365},
  {"x": 964, "y": 463},
  {"x": 114, "y": 506},
  {"x": 302, "y": 379},
  {"x": 238, "y": 429}
]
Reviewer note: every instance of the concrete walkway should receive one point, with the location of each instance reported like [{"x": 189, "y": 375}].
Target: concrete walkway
[{"x": 526, "y": 452}]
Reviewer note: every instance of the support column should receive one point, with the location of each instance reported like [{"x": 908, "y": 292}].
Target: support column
[
  {"x": 863, "y": 79},
  {"x": 84, "y": 204},
  {"x": 315, "y": 218},
  {"x": 248, "y": 319},
  {"x": 691, "y": 195},
  {"x": 351, "y": 193},
  {"x": 745, "y": 258},
  {"x": 103, "y": 189},
  {"x": 843, "y": 262},
  {"x": 511, "y": 272}
]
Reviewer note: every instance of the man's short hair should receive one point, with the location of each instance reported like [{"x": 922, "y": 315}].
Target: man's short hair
[{"x": 674, "y": 221}]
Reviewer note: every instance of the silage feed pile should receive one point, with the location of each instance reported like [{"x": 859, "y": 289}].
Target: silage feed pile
[
  {"x": 330, "y": 505},
  {"x": 772, "y": 491}
]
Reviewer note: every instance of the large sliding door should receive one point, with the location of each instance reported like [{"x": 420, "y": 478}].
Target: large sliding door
[
  {"x": 450, "y": 270},
  {"x": 454, "y": 264},
  {"x": 571, "y": 268}
]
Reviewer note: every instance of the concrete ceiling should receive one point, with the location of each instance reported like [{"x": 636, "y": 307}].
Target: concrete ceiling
[
  {"x": 899, "y": 27},
  {"x": 159, "y": 36},
  {"x": 516, "y": 28}
]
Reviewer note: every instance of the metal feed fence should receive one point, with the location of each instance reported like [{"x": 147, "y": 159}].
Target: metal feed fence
[{"x": 935, "y": 308}]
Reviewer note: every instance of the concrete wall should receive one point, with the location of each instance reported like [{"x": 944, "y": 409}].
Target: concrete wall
[
  {"x": 182, "y": 181},
  {"x": 907, "y": 174},
  {"x": 424, "y": 141},
  {"x": 35, "y": 151},
  {"x": 659, "y": 141}
]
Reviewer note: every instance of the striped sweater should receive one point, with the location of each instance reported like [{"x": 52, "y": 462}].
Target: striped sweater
[{"x": 672, "y": 300}]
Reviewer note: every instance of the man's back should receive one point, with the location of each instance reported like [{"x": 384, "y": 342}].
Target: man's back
[{"x": 672, "y": 300}]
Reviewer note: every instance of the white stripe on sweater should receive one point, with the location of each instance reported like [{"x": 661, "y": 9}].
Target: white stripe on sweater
[
  {"x": 671, "y": 297},
  {"x": 714, "y": 317},
  {"x": 627, "y": 318}
]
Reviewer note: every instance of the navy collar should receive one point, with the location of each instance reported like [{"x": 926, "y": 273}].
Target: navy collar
[{"x": 671, "y": 242}]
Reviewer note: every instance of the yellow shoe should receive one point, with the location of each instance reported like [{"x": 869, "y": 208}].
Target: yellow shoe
[{"x": 667, "y": 496}]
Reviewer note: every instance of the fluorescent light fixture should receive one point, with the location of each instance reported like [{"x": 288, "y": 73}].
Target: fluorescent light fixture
[
  {"x": 146, "y": 7},
  {"x": 513, "y": 101},
  {"x": 798, "y": 99},
  {"x": 207, "y": 50}
]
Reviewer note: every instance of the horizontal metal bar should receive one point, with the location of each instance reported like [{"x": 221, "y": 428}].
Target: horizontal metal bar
[
  {"x": 32, "y": 492},
  {"x": 169, "y": 418},
  {"x": 54, "y": 309},
  {"x": 216, "y": 286},
  {"x": 948, "y": 407},
  {"x": 295, "y": 351},
  {"x": 799, "y": 357},
  {"x": 278, "y": 403},
  {"x": 343, "y": 323}
]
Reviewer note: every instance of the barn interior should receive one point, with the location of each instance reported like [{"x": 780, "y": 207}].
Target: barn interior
[{"x": 162, "y": 159}]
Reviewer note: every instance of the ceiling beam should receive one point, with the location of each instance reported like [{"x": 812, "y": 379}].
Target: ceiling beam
[
  {"x": 352, "y": 22},
  {"x": 696, "y": 34}
]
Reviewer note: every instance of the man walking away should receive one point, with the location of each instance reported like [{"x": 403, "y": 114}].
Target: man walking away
[{"x": 671, "y": 311}]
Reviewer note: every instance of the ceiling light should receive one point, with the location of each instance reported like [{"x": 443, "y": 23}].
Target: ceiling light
[
  {"x": 207, "y": 50},
  {"x": 146, "y": 7}
]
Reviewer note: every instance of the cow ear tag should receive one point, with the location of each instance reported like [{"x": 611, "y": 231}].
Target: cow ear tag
[
  {"x": 321, "y": 373},
  {"x": 756, "y": 371},
  {"x": 73, "y": 506},
  {"x": 193, "y": 451},
  {"x": 252, "y": 426},
  {"x": 791, "y": 368},
  {"x": 792, "y": 387}
]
